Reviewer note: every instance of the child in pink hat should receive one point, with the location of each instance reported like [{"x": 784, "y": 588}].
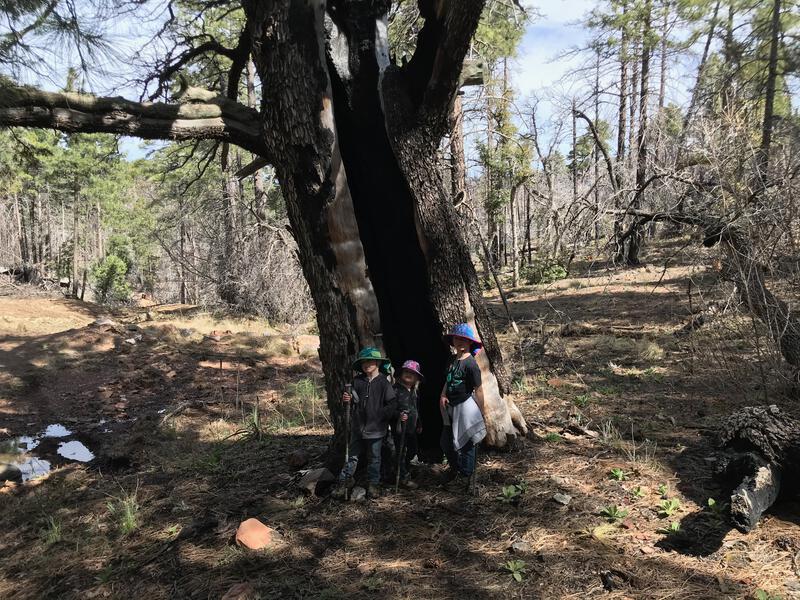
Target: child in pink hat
[{"x": 407, "y": 402}]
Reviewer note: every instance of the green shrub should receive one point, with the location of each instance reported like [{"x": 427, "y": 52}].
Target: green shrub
[
  {"x": 543, "y": 271},
  {"x": 109, "y": 277}
]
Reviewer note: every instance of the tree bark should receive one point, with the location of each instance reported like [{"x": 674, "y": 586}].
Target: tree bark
[
  {"x": 765, "y": 447},
  {"x": 769, "y": 95},
  {"x": 621, "y": 130},
  {"x": 75, "y": 244},
  {"x": 635, "y": 240}
]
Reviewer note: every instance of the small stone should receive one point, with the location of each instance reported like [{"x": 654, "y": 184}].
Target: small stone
[
  {"x": 358, "y": 494},
  {"x": 130, "y": 341},
  {"x": 241, "y": 591},
  {"x": 253, "y": 534},
  {"x": 316, "y": 480},
  {"x": 9, "y": 472},
  {"x": 521, "y": 547},
  {"x": 298, "y": 459},
  {"x": 560, "y": 481},
  {"x": 647, "y": 550},
  {"x": 563, "y": 499}
]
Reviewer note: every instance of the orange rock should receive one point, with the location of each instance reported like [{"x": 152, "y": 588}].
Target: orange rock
[{"x": 253, "y": 534}]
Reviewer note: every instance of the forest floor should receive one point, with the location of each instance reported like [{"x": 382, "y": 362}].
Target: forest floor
[{"x": 188, "y": 421}]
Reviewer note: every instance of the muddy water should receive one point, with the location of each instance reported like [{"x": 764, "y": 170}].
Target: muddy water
[{"x": 20, "y": 451}]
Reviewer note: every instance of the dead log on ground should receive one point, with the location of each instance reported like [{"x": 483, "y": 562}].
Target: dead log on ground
[{"x": 765, "y": 448}]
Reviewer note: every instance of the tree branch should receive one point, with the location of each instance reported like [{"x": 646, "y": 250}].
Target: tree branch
[
  {"x": 435, "y": 68},
  {"x": 613, "y": 176},
  {"x": 200, "y": 115}
]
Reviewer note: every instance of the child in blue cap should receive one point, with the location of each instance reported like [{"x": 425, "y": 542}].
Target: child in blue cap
[{"x": 461, "y": 404}]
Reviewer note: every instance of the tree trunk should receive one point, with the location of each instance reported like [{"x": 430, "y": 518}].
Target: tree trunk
[
  {"x": 596, "y": 150},
  {"x": 635, "y": 240},
  {"x": 259, "y": 192},
  {"x": 762, "y": 166},
  {"x": 687, "y": 118},
  {"x": 383, "y": 135},
  {"x": 621, "y": 120},
  {"x": 75, "y": 244},
  {"x": 458, "y": 169},
  {"x": 634, "y": 96},
  {"x": 514, "y": 250}
]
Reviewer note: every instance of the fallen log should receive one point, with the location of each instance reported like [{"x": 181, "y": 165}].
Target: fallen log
[{"x": 764, "y": 448}]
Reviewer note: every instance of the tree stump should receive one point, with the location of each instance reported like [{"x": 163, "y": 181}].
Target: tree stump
[{"x": 764, "y": 445}]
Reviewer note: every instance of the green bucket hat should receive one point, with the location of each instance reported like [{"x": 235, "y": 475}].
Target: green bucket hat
[{"x": 371, "y": 353}]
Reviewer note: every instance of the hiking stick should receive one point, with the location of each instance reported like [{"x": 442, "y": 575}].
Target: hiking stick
[
  {"x": 348, "y": 389},
  {"x": 401, "y": 453}
]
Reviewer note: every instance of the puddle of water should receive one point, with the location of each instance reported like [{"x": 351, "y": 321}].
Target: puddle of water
[
  {"x": 75, "y": 450},
  {"x": 17, "y": 451}
]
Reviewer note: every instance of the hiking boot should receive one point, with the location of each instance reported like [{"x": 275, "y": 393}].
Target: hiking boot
[
  {"x": 408, "y": 484},
  {"x": 373, "y": 490}
]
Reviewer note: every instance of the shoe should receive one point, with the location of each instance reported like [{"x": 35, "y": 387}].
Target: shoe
[
  {"x": 373, "y": 490},
  {"x": 408, "y": 484},
  {"x": 339, "y": 491}
]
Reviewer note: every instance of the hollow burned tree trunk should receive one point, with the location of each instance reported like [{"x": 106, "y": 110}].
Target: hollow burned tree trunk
[{"x": 354, "y": 142}]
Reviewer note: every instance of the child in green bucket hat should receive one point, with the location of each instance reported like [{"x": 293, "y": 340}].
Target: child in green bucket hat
[{"x": 373, "y": 404}]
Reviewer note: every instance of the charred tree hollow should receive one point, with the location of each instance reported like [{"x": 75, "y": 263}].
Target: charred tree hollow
[{"x": 384, "y": 210}]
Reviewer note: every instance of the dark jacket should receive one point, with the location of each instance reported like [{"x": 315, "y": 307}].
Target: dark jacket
[
  {"x": 407, "y": 401},
  {"x": 374, "y": 404}
]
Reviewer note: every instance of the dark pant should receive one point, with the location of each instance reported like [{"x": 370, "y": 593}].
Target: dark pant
[
  {"x": 462, "y": 460},
  {"x": 373, "y": 448}
]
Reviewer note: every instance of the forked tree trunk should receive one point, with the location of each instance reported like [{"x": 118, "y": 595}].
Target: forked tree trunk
[{"x": 355, "y": 141}]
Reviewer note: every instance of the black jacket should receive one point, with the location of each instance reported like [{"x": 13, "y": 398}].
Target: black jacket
[{"x": 374, "y": 404}]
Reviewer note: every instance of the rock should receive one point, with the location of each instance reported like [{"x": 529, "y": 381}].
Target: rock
[
  {"x": 9, "y": 472},
  {"x": 563, "y": 499},
  {"x": 241, "y": 591},
  {"x": 132, "y": 327},
  {"x": 253, "y": 534},
  {"x": 131, "y": 341},
  {"x": 105, "y": 321},
  {"x": 358, "y": 494},
  {"x": 316, "y": 480},
  {"x": 560, "y": 481},
  {"x": 298, "y": 459},
  {"x": 521, "y": 547}
]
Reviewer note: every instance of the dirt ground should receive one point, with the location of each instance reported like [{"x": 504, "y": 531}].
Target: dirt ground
[{"x": 190, "y": 420}]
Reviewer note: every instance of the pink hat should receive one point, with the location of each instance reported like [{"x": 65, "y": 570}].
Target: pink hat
[{"x": 413, "y": 366}]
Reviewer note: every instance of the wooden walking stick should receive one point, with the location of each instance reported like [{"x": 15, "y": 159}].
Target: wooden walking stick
[
  {"x": 401, "y": 452},
  {"x": 348, "y": 388}
]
